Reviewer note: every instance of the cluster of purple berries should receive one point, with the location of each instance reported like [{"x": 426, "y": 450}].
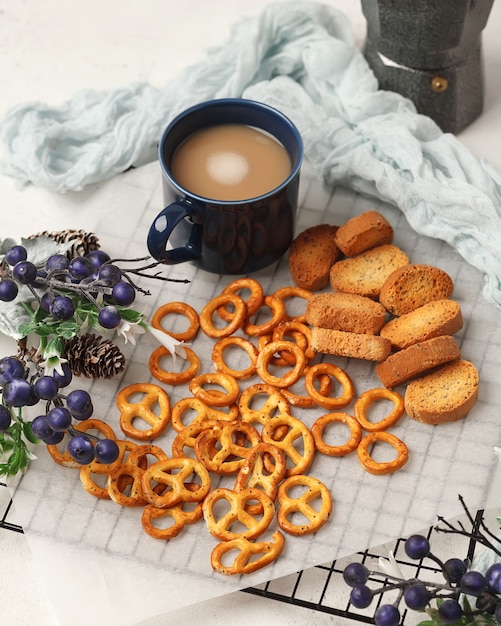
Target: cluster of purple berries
[
  {"x": 60, "y": 277},
  {"x": 20, "y": 389},
  {"x": 417, "y": 595}
]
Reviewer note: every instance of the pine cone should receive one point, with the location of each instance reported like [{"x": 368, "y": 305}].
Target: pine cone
[
  {"x": 83, "y": 242},
  {"x": 93, "y": 357}
]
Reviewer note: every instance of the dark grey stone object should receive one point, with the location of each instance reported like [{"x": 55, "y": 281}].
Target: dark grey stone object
[{"x": 431, "y": 52}]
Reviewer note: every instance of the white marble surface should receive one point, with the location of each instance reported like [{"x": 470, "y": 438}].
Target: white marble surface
[{"x": 51, "y": 49}]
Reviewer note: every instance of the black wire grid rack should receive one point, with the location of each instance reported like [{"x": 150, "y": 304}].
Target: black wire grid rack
[{"x": 321, "y": 588}]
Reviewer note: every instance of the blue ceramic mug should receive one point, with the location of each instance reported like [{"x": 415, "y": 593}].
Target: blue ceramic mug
[{"x": 226, "y": 236}]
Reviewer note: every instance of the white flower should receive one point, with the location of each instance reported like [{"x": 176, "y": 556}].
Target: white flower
[
  {"x": 53, "y": 361},
  {"x": 174, "y": 346},
  {"x": 129, "y": 330},
  {"x": 390, "y": 567}
]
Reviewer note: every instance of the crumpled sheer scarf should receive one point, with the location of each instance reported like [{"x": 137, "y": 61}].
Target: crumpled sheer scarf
[{"x": 301, "y": 58}]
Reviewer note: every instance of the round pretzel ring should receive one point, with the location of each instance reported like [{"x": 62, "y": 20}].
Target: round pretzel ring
[
  {"x": 176, "y": 483},
  {"x": 238, "y": 512},
  {"x": 328, "y": 402},
  {"x": 179, "y": 516},
  {"x": 313, "y": 489},
  {"x": 264, "y": 359},
  {"x": 363, "y": 403},
  {"x": 293, "y": 292},
  {"x": 237, "y": 318},
  {"x": 253, "y": 302},
  {"x": 214, "y": 397},
  {"x": 245, "y": 561},
  {"x": 173, "y": 378},
  {"x": 305, "y": 400},
  {"x": 220, "y": 364},
  {"x": 277, "y": 308},
  {"x": 180, "y": 308},
  {"x": 152, "y": 396},
  {"x": 319, "y": 426},
  {"x": 302, "y": 335},
  {"x": 388, "y": 467}
]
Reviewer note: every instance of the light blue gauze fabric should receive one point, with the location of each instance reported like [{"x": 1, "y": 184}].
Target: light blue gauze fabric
[{"x": 301, "y": 58}]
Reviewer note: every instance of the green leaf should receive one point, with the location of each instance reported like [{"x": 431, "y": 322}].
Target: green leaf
[
  {"x": 130, "y": 315},
  {"x": 28, "y": 433}
]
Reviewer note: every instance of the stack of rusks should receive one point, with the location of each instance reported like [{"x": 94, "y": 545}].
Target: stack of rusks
[{"x": 371, "y": 302}]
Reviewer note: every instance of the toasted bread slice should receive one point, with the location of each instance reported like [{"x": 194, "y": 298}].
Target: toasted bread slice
[
  {"x": 409, "y": 287},
  {"x": 417, "y": 359},
  {"x": 352, "y": 345},
  {"x": 366, "y": 273},
  {"x": 311, "y": 255},
  {"x": 345, "y": 311},
  {"x": 446, "y": 395},
  {"x": 362, "y": 232},
  {"x": 433, "y": 319}
]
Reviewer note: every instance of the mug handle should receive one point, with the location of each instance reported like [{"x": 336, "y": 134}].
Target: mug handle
[{"x": 161, "y": 229}]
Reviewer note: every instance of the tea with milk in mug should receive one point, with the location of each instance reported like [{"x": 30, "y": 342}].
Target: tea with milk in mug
[{"x": 230, "y": 162}]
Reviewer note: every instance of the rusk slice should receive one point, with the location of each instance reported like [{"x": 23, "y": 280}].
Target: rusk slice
[
  {"x": 345, "y": 311},
  {"x": 362, "y": 232},
  {"x": 351, "y": 345},
  {"x": 409, "y": 287},
  {"x": 446, "y": 395},
  {"x": 416, "y": 360},
  {"x": 366, "y": 273},
  {"x": 433, "y": 319},
  {"x": 311, "y": 255}
]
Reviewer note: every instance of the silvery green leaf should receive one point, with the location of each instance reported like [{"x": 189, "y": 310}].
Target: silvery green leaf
[
  {"x": 12, "y": 315},
  {"x": 6, "y": 244},
  {"x": 42, "y": 247}
]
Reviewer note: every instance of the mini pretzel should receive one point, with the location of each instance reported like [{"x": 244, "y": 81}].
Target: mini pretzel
[
  {"x": 179, "y": 516},
  {"x": 214, "y": 397},
  {"x": 305, "y": 400},
  {"x": 296, "y": 430},
  {"x": 293, "y": 292},
  {"x": 222, "y": 448},
  {"x": 264, "y": 358},
  {"x": 245, "y": 561},
  {"x": 176, "y": 489},
  {"x": 180, "y": 308},
  {"x": 275, "y": 403},
  {"x": 317, "y": 430},
  {"x": 254, "y": 471},
  {"x": 153, "y": 408},
  {"x": 139, "y": 456},
  {"x": 220, "y": 364},
  {"x": 328, "y": 402},
  {"x": 89, "y": 474},
  {"x": 169, "y": 377},
  {"x": 63, "y": 457},
  {"x": 237, "y": 318},
  {"x": 301, "y": 505},
  {"x": 253, "y": 302},
  {"x": 371, "y": 395},
  {"x": 220, "y": 527},
  {"x": 375, "y": 467},
  {"x": 182, "y": 407},
  {"x": 126, "y": 477},
  {"x": 277, "y": 308}
]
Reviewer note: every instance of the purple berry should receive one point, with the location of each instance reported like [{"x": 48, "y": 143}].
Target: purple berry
[
  {"x": 46, "y": 388},
  {"x": 54, "y": 439},
  {"x": 10, "y": 368},
  {"x": 109, "y": 274},
  {"x": 81, "y": 449},
  {"x": 123, "y": 293},
  {"x": 387, "y": 615},
  {"x": 450, "y": 611},
  {"x": 473, "y": 583},
  {"x": 80, "y": 267},
  {"x": 8, "y": 290},
  {"x": 5, "y": 418},
  {"x": 454, "y": 569},
  {"x": 57, "y": 263},
  {"x": 17, "y": 392},
  {"x": 107, "y": 451},
  {"x": 493, "y": 577},
  {"x": 355, "y": 574},
  {"x": 417, "y": 597},
  {"x": 62, "y": 308},
  {"x": 25, "y": 272},
  {"x": 59, "y": 419},
  {"x": 97, "y": 258},
  {"x": 64, "y": 379},
  {"x": 40, "y": 428},
  {"x": 361, "y": 597},
  {"x": 417, "y": 547},
  {"x": 109, "y": 317},
  {"x": 79, "y": 404},
  {"x": 15, "y": 254}
]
